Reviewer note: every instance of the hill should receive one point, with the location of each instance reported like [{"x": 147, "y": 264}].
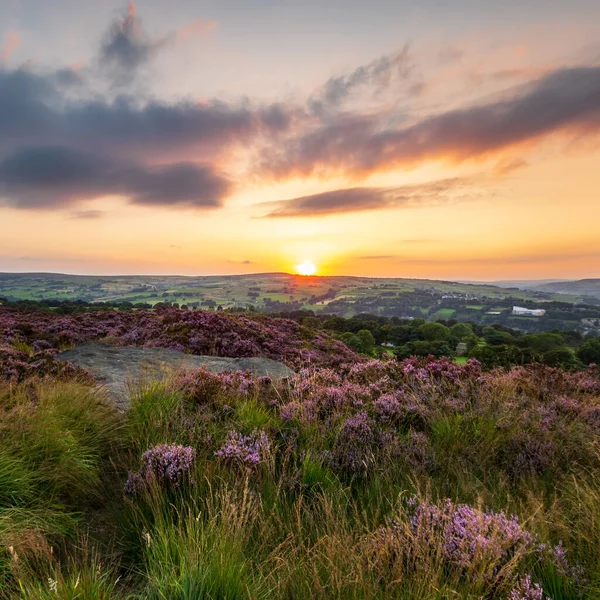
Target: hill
[{"x": 582, "y": 287}]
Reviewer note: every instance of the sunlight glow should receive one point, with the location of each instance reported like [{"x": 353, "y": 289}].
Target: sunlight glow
[{"x": 306, "y": 268}]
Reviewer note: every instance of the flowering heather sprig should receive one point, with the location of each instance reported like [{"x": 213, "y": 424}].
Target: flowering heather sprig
[
  {"x": 245, "y": 450},
  {"x": 484, "y": 548},
  {"x": 164, "y": 464},
  {"x": 354, "y": 446},
  {"x": 417, "y": 451},
  {"x": 527, "y": 590},
  {"x": 557, "y": 555},
  {"x": 473, "y": 541}
]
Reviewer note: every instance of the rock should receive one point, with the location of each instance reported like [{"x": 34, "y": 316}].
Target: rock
[{"x": 116, "y": 368}]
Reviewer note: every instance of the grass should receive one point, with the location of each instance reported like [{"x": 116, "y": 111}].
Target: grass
[{"x": 326, "y": 510}]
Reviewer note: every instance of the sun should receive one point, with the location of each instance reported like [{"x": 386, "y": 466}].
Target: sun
[{"x": 306, "y": 268}]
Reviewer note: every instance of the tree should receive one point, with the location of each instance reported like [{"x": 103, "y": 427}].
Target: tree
[
  {"x": 401, "y": 334},
  {"x": 431, "y": 332},
  {"x": 589, "y": 352},
  {"x": 559, "y": 357},
  {"x": 495, "y": 337},
  {"x": 472, "y": 342},
  {"x": 542, "y": 342},
  {"x": 352, "y": 341},
  {"x": 462, "y": 331},
  {"x": 367, "y": 339},
  {"x": 311, "y": 322},
  {"x": 335, "y": 324}
]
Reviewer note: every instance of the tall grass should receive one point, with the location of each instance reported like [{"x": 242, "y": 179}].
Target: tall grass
[{"x": 372, "y": 483}]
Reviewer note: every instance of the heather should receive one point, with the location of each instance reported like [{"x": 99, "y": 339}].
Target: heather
[
  {"x": 419, "y": 478},
  {"x": 29, "y": 340}
]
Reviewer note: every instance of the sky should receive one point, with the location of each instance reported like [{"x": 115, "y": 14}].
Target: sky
[{"x": 430, "y": 139}]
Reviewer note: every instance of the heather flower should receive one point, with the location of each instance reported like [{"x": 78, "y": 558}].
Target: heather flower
[
  {"x": 289, "y": 411},
  {"x": 417, "y": 451},
  {"x": 527, "y": 590},
  {"x": 531, "y": 457},
  {"x": 245, "y": 450},
  {"x": 476, "y": 543},
  {"x": 389, "y": 407},
  {"x": 557, "y": 555},
  {"x": 353, "y": 450},
  {"x": 163, "y": 464}
]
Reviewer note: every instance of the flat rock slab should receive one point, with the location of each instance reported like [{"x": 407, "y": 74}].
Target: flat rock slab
[{"x": 116, "y": 368}]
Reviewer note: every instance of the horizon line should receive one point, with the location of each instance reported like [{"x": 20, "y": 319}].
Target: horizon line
[{"x": 465, "y": 281}]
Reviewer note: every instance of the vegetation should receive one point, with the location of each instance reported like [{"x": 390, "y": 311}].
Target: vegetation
[
  {"x": 343, "y": 296},
  {"x": 412, "y": 479},
  {"x": 493, "y": 346}
]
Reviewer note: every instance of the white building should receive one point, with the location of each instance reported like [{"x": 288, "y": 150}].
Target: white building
[{"x": 528, "y": 312}]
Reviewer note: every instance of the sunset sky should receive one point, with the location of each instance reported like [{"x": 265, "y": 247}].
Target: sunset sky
[{"x": 434, "y": 139}]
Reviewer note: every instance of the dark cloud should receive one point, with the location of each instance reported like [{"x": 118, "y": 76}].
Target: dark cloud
[
  {"x": 44, "y": 177},
  {"x": 35, "y": 110},
  {"x": 377, "y": 75},
  {"x": 62, "y": 141},
  {"x": 368, "y": 198},
  {"x": 58, "y": 146},
  {"x": 564, "y": 99},
  {"x": 126, "y": 47}
]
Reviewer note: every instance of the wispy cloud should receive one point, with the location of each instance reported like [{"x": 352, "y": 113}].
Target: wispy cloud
[
  {"x": 12, "y": 41},
  {"x": 87, "y": 214},
  {"x": 126, "y": 47},
  {"x": 375, "y": 76},
  {"x": 371, "y": 198},
  {"x": 196, "y": 28},
  {"x": 61, "y": 141},
  {"x": 356, "y": 144}
]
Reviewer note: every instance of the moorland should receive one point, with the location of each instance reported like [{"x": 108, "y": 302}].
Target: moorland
[{"x": 358, "y": 477}]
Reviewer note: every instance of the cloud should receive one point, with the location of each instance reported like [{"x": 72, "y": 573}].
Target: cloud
[
  {"x": 510, "y": 165},
  {"x": 565, "y": 99},
  {"x": 51, "y": 176},
  {"x": 11, "y": 43},
  {"x": 518, "y": 259},
  {"x": 87, "y": 214},
  {"x": 450, "y": 55},
  {"x": 360, "y": 199},
  {"x": 126, "y": 47},
  {"x": 376, "y": 75},
  {"x": 195, "y": 28},
  {"x": 35, "y": 109},
  {"x": 62, "y": 141},
  {"x": 378, "y": 257}
]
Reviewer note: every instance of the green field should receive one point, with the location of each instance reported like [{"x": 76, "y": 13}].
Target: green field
[{"x": 273, "y": 292}]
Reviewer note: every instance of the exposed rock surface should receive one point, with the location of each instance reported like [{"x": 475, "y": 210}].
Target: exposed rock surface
[{"x": 117, "y": 368}]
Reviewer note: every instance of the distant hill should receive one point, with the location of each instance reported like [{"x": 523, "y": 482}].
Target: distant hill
[
  {"x": 279, "y": 293},
  {"x": 583, "y": 287}
]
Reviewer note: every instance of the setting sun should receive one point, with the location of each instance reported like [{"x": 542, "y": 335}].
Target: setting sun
[{"x": 306, "y": 268}]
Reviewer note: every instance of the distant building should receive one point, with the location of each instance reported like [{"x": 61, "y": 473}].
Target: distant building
[{"x": 528, "y": 312}]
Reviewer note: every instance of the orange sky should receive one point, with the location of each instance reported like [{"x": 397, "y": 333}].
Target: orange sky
[{"x": 471, "y": 152}]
